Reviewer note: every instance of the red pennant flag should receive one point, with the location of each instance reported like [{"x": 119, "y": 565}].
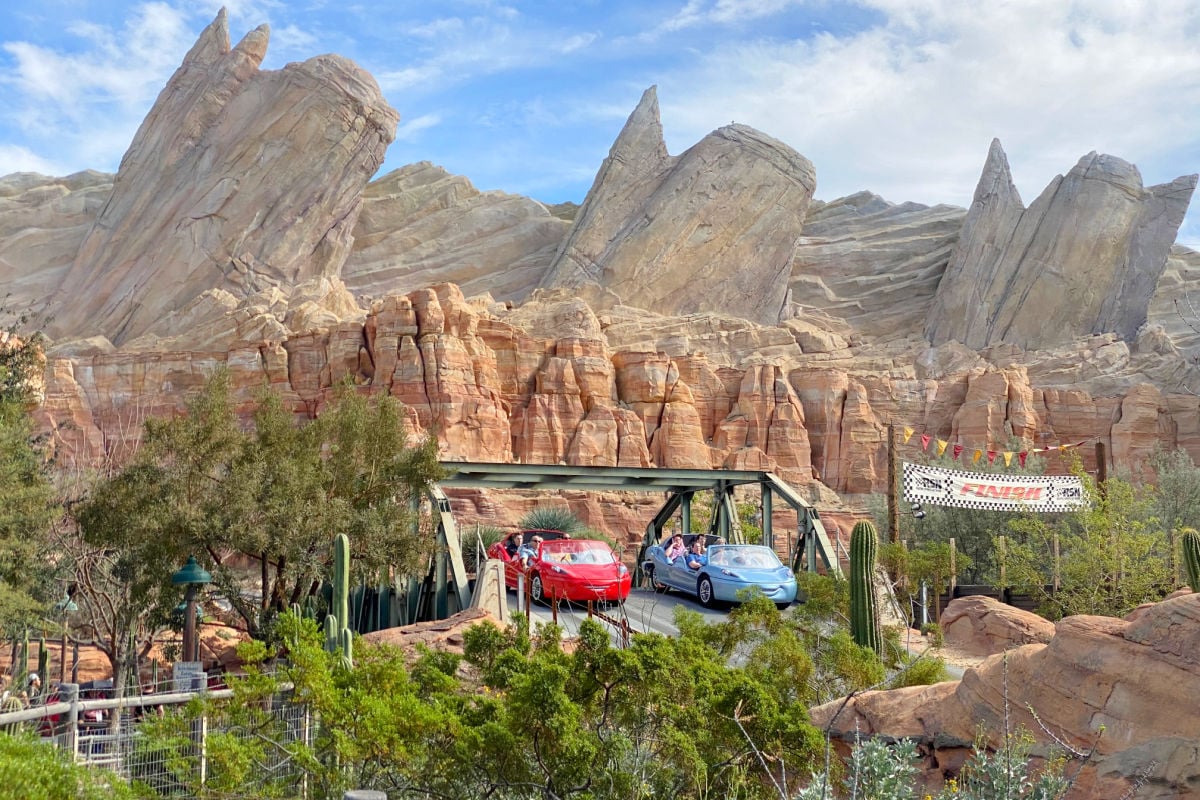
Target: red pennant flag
[
  {"x": 925, "y": 440},
  {"x": 991, "y": 457},
  {"x": 958, "y": 448},
  {"x": 1022, "y": 456}
]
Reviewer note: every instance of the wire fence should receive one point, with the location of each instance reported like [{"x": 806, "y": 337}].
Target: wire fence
[{"x": 111, "y": 733}]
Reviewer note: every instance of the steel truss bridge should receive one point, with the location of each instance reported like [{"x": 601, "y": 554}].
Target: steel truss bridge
[{"x": 445, "y": 589}]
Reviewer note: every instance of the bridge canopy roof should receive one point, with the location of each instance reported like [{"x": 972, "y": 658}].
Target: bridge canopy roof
[{"x": 467, "y": 474}]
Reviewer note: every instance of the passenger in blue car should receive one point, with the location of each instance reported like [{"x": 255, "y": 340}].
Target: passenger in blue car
[
  {"x": 675, "y": 549},
  {"x": 696, "y": 558}
]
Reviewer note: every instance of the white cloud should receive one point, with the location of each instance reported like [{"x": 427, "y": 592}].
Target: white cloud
[
  {"x": 908, "y": 109},
  {"x": 21, "y": 159},
  {"x": 407, "y": 131}
]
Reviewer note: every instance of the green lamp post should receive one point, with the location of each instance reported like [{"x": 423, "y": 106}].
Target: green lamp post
[{"x": 193, "y": 576}]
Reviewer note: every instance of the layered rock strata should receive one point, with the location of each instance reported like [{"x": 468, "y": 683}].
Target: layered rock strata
[
  {"x": 1085, "y": 258},
  {"x": 238, "y": 180},
  {"x": 421, "y": 226},
  {"x": 714, "y": 228}
]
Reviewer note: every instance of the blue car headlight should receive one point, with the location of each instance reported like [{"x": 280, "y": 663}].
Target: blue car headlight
[{"x": 731, "y": 574}]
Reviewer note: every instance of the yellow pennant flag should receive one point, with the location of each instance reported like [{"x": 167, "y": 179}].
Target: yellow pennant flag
[
  {"x": 1007, "y": 458},
  {"x": 941, "y": 447},
  {"x": 978, "y": 455},
  {"x": 908, "y": 432}
]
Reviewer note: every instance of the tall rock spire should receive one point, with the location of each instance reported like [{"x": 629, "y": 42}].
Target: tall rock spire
[
  {"x": 713, "y": 229},
  {"x": 1084, "y": 258}
]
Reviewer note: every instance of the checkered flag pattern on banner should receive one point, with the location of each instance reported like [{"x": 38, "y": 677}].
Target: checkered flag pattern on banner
[{"x": 991, "y": 492}]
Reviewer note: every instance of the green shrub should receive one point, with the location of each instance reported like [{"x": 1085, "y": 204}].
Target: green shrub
[
  {"x": 933, "y": 632},
  {"x": 31, "y": 770},
  {"x": 550, "y": 518}
]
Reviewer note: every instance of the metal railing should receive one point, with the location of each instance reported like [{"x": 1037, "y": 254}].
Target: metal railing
[{"x": 80, "y": 727}]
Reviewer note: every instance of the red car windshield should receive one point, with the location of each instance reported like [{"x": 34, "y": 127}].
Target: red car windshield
[{"x": 572, "y": 551}]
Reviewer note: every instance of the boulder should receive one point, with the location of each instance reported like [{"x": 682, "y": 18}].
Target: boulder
[
  {"x": 983, "y": 626},
  {"x": 1118, "y": 686}
]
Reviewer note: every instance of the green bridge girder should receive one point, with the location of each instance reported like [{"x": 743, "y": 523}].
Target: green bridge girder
[{"x": 444, "y": 590}]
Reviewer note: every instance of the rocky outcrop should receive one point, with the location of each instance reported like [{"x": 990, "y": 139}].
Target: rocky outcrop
[
  {"x": 983, "y": 626},
  {"x": 714, "y": 228},
  {"x": 1084, "y": 258},
  {"x": 43, "y": 221},
  {"x": 238, "y": 179},
  {"x": 1099, "y": 682},
  {"x": 421, "y": 226},
  {"x": 869, "y": 266}
]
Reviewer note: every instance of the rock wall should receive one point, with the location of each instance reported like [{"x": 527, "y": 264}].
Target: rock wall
[{"x": 602, "y": 390}]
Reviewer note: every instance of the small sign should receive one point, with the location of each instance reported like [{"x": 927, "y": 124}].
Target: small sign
[{"x": 189, "y": 676}]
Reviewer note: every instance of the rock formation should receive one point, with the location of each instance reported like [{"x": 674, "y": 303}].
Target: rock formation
[
  {"x": 1084, "y": 258},
  {"x": 1115, "y": 684},
  {"x": 981, "y": 626},
  {"x": 43, "y": 221},
  {"x": 238, "y": 179},
  {"x": 421, "y": 226},
  {"x": 714, "y": 228}
]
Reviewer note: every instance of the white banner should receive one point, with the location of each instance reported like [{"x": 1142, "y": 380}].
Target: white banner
[{"x": 990, "y": 491}]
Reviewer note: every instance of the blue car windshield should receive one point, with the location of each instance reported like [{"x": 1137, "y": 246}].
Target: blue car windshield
[{"x": 743, "y": 555}]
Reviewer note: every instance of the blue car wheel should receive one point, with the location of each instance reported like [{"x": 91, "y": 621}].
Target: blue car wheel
[{"x": 704, "y": 592}]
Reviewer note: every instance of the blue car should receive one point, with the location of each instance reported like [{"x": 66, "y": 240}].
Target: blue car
[{"x": 727, "y": 570}]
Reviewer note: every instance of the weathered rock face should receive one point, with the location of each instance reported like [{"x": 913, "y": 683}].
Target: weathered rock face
[
  {"x": 714, "y": 228},
  {"x": 1084, "y": 258},
  {"x": 421, "y": 226},
  {"x": 1125, "y": 676},
  {"x": 42, "y": 223},
  {"x": 238, "y": 180},
  {"x": 982, "y": 626},
  {"x": 871, "y": 265}
]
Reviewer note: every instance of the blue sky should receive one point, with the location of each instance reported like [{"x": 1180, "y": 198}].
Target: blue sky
[{"x": 901, "y": 97}]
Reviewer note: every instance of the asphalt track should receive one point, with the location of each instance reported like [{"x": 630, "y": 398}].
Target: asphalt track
[{"x": 646, "y": 610}]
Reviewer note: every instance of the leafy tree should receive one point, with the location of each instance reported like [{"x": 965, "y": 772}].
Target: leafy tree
[
  {"x": 28, "y": 506},
  {"x": 276, "y": 494},
  {"x": 1113, "y": 553},
  {"x": 1176, "y": 497}
]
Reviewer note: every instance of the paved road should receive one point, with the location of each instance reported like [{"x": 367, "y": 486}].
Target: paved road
[{"x": 645, "y": 610}]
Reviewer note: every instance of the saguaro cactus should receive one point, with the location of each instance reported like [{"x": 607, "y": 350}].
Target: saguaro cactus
[
  {"x": 338, "y": 638},
  {"x": 864, "y": 619},
  {"x": 1191, "y": 557}
]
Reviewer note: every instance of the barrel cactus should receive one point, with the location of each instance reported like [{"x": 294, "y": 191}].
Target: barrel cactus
[
  {"x": 864, "y": 618},
  {"x": 1191, "y": 557}
]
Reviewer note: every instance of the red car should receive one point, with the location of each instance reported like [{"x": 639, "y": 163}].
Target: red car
[{"x": 568, "y": 569}]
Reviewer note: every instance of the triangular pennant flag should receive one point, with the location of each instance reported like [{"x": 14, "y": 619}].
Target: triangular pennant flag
[
  {"x": 991, "y": 456},
  {"x": 925, "y": 440},
  {"x": 957, "y": 451},
  {"x": 978, "y": 455},
  {"x": 941, "y": 447},
  {"x": 908, "y": 433},
  {"x": 1021, "y": 457},
  {"x": 1008, "y": 458}
]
